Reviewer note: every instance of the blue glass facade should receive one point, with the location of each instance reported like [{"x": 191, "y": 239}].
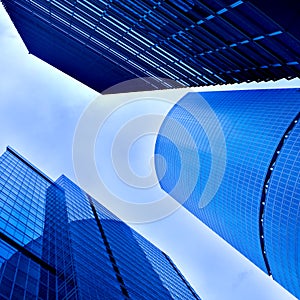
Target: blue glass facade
[
  {"x": 282, "y": 214},
  {"x": 192, "y": 43},
  {"x": 163, "y": 265},
  {"x": 25, "y": 271},
  {"x": 256, "y": 207},
  {"x": 56, "y": 242}
]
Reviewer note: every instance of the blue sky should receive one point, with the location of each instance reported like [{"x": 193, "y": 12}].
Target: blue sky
[{"x": 40, "y": 108}]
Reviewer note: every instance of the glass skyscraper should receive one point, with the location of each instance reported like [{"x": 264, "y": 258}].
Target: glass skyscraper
[
  {"x": 189, "y": 42},
  {"x": 56, "y": 242},
  {"x": 242, "y": 150}
]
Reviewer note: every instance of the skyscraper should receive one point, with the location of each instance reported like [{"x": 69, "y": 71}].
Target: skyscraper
[
  {"x": 189, "y": 42},
  {"x": 233, "y": 159},
  {"x": 56, "y": 242}
]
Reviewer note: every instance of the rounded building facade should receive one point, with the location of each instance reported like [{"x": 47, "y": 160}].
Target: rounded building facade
[
  {"x": 282, "y": 214},
  {"x": 244, "y": 157}
]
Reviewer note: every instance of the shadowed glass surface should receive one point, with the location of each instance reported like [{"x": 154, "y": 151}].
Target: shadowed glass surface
[
  {"x": 167, "y": 44},
  {"x": 56, "y": 242}
]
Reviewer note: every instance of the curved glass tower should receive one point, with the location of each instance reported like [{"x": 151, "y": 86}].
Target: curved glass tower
[
  {"x": 282, "y": 215},
  {"x": 232, "y": 159}
]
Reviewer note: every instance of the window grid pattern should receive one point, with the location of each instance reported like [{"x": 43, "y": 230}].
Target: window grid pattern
[
  {"x": 132, "y": 263},
  {"x": 57, "y": 248},
  {"x": 66, "y": 257},
  {"x": 148, "y": 262},
  {"x": 253, "y": 123},
  {"x": 22, "y": 203},
  {"x": 178, "y": 287},
  {"x": 282, "y": 215},
  {"x": 83, "y": 231},
  {"x": 20, "y": 276},
  {"x": 190, "y": 42}
]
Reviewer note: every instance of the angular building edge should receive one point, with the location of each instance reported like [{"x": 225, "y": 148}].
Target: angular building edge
[
  {"x": 169, "y": 44},
  {"x": 65, "y": 246}
]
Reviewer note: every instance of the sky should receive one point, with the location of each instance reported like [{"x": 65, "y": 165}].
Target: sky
[{"x": 41, "y": 110}]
